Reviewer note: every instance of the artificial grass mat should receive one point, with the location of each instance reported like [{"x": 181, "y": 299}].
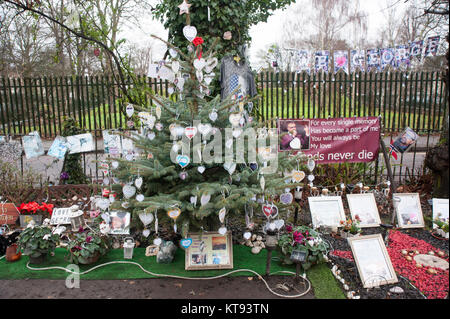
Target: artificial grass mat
[{"x": 324, "y": 284}]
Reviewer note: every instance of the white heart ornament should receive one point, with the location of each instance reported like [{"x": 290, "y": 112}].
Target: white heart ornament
[
  {"x": 208, "y": 80},
  {"x": 190, "y": 32},
  {"x": 173, "y": 53},
  {"x": 128, "y": 191},
  {"x": 115, "y": 164},
  {"x": 205, "y": 199},
  {"x": 279, "y": 223},
  {"x": 199, "y": 64},
  {"x": 103, "y": 203},
  {"x": 146, "y": 218},
  {"x": 230, "y": 167},
  {"x": 140, "y": 198},
  {"x": 235, "y": 119},
  {"x": 213, "y": 116},
  {"x": 199, "y": 75},
  {"x": 204, "y": 129},
  {"x": 146, "y": 233},
  {"x": 222, "y": 230},
  {"x": 295, "y": 144},
  {"x": 211, "y": 64},
  {"x": 175, "y": 66},
  {"x": 138, "y": 182},
  {"x": 262, "y": 182},
  {"x": 201, "y": 169},
  {"x": 151, "y": 136},
  {"x": 229, "y": 143},
  {"x": 311, "y": 165},
  {"x": 247, "y": 235},
  {"x": 180, "y": 83},
  {"x": 222, "y": 214},
  {"x": 129, "y": 110},
  {"x": 157, "y": 241}
]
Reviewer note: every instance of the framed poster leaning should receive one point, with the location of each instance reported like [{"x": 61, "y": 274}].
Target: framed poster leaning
[
  {"x": 209, "y": 251},
  {"x": 409, "y": 210}
]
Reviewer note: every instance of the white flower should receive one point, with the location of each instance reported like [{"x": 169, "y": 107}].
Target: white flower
[
  {"x": 104, "y": 229},
  {"x": 311, "y": 242},
  {"x": 46, "y": 222},
  {"x": 46, "y": 237}
]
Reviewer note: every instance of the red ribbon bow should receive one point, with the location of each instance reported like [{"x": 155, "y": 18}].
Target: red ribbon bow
[{"x": 198, "y": 41}]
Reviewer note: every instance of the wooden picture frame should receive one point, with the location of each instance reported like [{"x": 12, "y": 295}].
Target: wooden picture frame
[
  {"x": 372, "y": 260},
  {"x": 409, "y": 211},
  {"x": 365, "y": 206},
  {"x": 440, "y": 210},
  {"x": 217, "y": 251},
  {"x": 326, "y": 206}
]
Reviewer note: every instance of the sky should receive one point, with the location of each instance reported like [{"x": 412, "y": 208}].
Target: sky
[{"x": 263, "y": 34}]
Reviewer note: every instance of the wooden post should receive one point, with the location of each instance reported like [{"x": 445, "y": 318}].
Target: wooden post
[{"x": 389, "y": 170}]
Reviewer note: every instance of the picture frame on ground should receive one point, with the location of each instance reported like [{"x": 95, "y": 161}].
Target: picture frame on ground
[
  {"x": 372, "y": 260},
  {"x": 209, "y": 251},
  {"x": 119, "y": 223},
  {"x": 409, "y": 211},
  {"x": 440, "y": 210},
  {"x": 365, "y": 206},
  {"x": 326, "y": 211}
]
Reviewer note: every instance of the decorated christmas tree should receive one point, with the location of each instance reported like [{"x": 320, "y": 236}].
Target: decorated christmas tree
[{"x": 200, "y": 159}]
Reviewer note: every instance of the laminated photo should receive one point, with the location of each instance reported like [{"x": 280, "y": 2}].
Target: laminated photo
[
  {"x": 58, "y": 148},
  {"x": 81, "y": 143},
  {"x": 32, "y": 145}
]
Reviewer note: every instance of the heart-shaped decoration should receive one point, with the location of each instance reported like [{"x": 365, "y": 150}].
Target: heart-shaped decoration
[
  {"x": 126, "y": 205},
  {"x": 174, "y": 213},
  {"x": 185, "y": 243},
  {"x": 173, "y": 53},
  {"x": 237, "y": 132},
  {"x": 295, "y": 144},
  {"x": 170, "y": 90},
  {"x": 129, "y": 110},
  {"x": 106, "y": 217},
  {"x": 205, "y": 199},
  {"x": 208, "y": 79},
  {"x": 190, "y": 131},
  {"x": 211, "y": 64},
  {"x": 199, "y": 75},
  {"x": 128, "y": 191},
  {"x": 179, "y": 82},
  {"x": 199, "y": 64},
  {"x": 213, "y": 116},
  {"x": 146, "y": 233},
  {"x": 150, "y": 121},
  {"x": 286, "y": 198},
  {"x": 222, "y": 214},
  {"x": 229, "y": 143},
  {"x": 262, "y": 182},
  {"x": 94, "y": 213},
  {"x": 311, "y": 165},
  {"x": 140, "y": 198},
  {"x": 279, "y": 223},
  {"x": 175, "y": 66},
  {"x": 230, "y": 167},
  {"x": 158, "y": 111},
  {"x": 247, "y": 235},
  {"x": 204, "y": 129},
  {"x": 165, "y": 73},
  {"x": 201, "y": 169},
  {"x": 183, "y": 175},
  {"x": 253, "y": 166},
  {"x": 151, "y": 136},
  {"x": 311, "y": 178},
  {"x": 183, "y": 160},
  {"x": 106, "y": 181},
  {"x": 298, "y": 176},
  {"x": 146, "y": 218},
  {"x": 234, "y": 119},
  {"x": 270, "y": 210},
  {"x": 115, "y": 164},
  {"x": 103, "y": 203},
  {"x": 157, "y": 241},
  {"x": 193, "y": 200},
  {"x": 159, "y": 126},
  {"x": 138, "y": 182},
  {"x": 222, "y": 230}
]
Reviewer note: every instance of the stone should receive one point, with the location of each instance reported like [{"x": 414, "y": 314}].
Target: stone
[
  {"x": 404, "y": 252},
  {"x": 346, "y": 287},
  {"x": 431, "y": 261},
  {"x": 431, "y": 253},
  {"x": 256, "y": 250},
  {"x": 441, "y": 253},
  {"x": 253, "y": 237},
  {"x": 408, "y": 258},
  {"x": 419, "y": 265},
  {"x": 431, "y": 271},
  {"x": 396, "y": 290},
  {"x": 257, "y": 244},
  {"x": 259, "y": 238},
  {"x": 248, "y": 243},
  {"x": 263, "y": 245},
  {"x": 166, "y": 252}
]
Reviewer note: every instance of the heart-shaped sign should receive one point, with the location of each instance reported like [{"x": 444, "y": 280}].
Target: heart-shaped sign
[
  {"x": 199, "y": 64},
  {"x": 295, "y": 144},
  {"x": 103, "y": 203},
  {"x": 190, "y": 32},
  {"x": 253, "y": 166},
  {"x": 146, "y": 218},
  {"x": 128, "y": 191},
  {"x": 115, "y": 164},
  {"x": 185, "y": 243},
  {"x": 205, "y": 199},
  {"x": 234, "y": 119},
  {"x": 190, "y": 131},
  {"x": 174, "y": 213},
  {"x": 157, "y": 241},
  {"x": 230, "y": 167},
  {"x": 146, "y": 233},
  {"x": 173, "y": 53},
  {"x": 138, "y": 182},
  {"x": 286, "y": 198},
  {"x": 311, "y": 178},
  {"x": 151, "y": 136},
  {"x": 201, "y": 169},
  {"x": 270, "y": 210},
  {"x": 140, "y": 198},
  {"x": 279, "y": 223},
  {"x": 175, "y": 66},
  {"x": 183, "y": 160},
  {"x": 204, "y": 129},
  {"x": 222, "y": 214},
  {"x": 213, "y": 116},
  {"x": 311, "y": 165},
  {"x": 179, "y": 82},
  {"x": 298, "y": 176},
  {"x": 247, "y": 235},
  {"x": 222, "y": 230},
  {"x": 129, "y": 110}
]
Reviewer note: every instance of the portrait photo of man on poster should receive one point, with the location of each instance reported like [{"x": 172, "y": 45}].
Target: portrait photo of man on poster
[{"x": 294, "y": 135}]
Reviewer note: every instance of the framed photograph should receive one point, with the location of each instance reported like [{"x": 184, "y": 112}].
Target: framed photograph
[
  {"x": 409, "y": 211},
  {"x": 61, "y": 216},
  {"x": 440, "y": 210},
  {"x": 81, "y": 143},
  {"x": 372, "y": 259},
  {"x": 119, "y": 223},
  {"x": 58, "y": 148},
  {"x": 209, "y": 251},
  {"x": 326, "y": 211},
  {"x": 32, "y": 145},
  {"x": 365, "y": 206},
  {"x": 405, "y": 141},
  {"x": 111, "y": 143},
  {"x": 26, "y": 219},
  {"x": 293, "y": 135}
]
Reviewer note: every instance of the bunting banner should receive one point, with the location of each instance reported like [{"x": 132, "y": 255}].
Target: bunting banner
[
  {"x": 387, "y": 58},
  {"x": 322, "y": 59},
  {"x": 432, "y": 46},
  {"x": 415, "y": 50},
  {"x": 357, "y": 60},
  {"x": 302, "y": 59},
  {"x": 373, "y": 59},
  {"x": 402, "y": 54},
  {"x": 340, "y": 61}
]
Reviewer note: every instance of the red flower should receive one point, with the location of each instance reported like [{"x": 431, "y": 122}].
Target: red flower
[
  {"x": 289, "y": 228},
  {"x": 197, "y": 41}
]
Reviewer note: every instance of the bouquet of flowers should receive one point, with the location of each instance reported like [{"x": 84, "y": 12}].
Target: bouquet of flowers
[
  {"x": 306, "y": 240},
  {"x": 34, "y": 208},
  {"x": 350, "y": 226}
]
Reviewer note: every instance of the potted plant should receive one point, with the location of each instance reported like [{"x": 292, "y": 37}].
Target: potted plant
[
  {"x": 302, "y": 239},
  {"x": 442, "y": 227},
  {"x": 37, "y": 242},
  {"x": 34, "y": 211},
  {"x": 350, "y": 228},
  {"x": 87, "y": 246}
]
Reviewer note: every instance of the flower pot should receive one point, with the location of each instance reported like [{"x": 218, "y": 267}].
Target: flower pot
[
  {"x": 345, "y": 234},
  {"x": 90, "y": 260},
  {"x": 11, "y": 253},
  {"x": 38, "y": 260}
]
